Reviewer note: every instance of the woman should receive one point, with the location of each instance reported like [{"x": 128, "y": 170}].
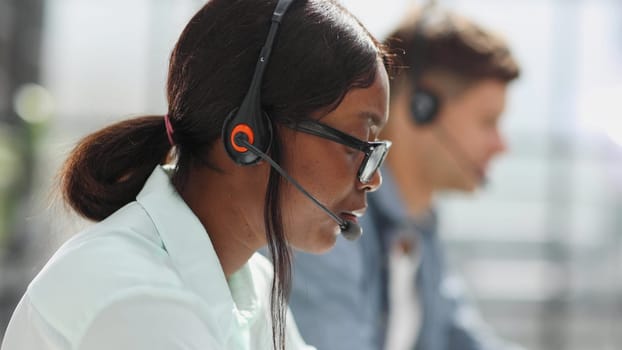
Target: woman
[{"x": 171, "y": 263}]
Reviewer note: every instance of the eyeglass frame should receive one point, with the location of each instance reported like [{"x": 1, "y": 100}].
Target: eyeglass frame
[{"x": 316, "y": 128}]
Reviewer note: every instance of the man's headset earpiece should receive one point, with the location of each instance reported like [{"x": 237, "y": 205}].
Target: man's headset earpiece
[
  {"x": 424, "y": 103},
  {"x": 250, "y": 122},
  {"x": 424, "y": 106}
]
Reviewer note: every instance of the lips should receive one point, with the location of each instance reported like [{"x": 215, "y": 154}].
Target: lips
[{"x": 353, "y": 215}]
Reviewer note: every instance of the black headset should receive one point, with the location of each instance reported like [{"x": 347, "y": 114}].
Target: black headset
[
  {"x": 249, "y": 121},
  {"x": 424, "y": 103}
]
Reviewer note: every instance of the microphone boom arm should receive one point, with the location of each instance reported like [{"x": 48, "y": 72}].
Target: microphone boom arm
[{"x": 241, "y": 139}]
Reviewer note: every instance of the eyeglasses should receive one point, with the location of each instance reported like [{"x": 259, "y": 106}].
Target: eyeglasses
[{"x": 375, "y": 151}]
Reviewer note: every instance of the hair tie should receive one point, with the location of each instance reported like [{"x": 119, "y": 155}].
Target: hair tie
[{"x": 169, "y": 129}]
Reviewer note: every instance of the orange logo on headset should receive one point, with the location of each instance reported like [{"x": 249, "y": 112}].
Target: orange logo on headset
[{"x": 245, "y": 129}]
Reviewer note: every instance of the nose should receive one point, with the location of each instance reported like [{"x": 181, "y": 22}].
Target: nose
[
  {"x": 500, "y": 145},
  {"x": 373, "y": 184}
]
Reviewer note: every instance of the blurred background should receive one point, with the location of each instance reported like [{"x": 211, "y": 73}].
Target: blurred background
[{"x": 539, "y": 248}]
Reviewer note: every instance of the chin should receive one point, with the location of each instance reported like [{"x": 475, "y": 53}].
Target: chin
[
  {"x": 318, "y": 242},
  {"x": 470, "y": 188},
  {"x": 463, "y": 186}
]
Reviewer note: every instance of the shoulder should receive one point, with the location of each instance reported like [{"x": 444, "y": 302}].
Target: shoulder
[
  {"x": 144, "y": 321},
  {"x": 115, "y": 259},
  {"x": 124, "y": 247}
]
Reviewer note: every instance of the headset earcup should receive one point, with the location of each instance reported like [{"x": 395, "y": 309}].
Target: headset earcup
[
  {"x": 258, "y": 131},
  {"x": 424, "y": 106}
]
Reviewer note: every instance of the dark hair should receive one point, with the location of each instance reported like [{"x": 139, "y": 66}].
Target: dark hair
[
  {"x": 451, "y": 44},
  {"x": 320, "y": 53}
]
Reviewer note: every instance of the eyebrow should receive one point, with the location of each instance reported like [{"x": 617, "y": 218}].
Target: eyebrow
[{"x": 376, "y": 119}]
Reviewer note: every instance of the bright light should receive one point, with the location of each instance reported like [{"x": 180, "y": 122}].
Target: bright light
[
  {"x": 601, "y": 111},
  {"x": 33, "y": 103}
]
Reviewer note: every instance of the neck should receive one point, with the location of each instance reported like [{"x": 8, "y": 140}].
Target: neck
[
  {"x": 407, "y": 159},
  {"x": 231, "y": 223},
  {"x": 415, "y": 189}
]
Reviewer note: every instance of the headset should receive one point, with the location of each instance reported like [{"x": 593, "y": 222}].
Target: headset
[
  {"x": 249, "y": 119},
  {"x": 424, "y": 103},
  {"x": 247, "y": 130}
]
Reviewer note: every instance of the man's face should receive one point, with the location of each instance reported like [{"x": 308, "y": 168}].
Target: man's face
[{"x": 467, "y": 136}]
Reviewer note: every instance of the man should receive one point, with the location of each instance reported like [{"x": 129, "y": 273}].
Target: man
[{"x": 389, "y": 289}]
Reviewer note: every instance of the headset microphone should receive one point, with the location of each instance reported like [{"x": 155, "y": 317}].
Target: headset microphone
[{"x": 349, "y": 229}]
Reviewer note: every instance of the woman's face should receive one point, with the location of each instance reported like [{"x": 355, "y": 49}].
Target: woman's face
[{"x": 328, "y": 170}]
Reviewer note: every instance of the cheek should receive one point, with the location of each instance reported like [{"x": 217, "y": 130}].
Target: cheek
[
  {"x": 308, "y": 228},
  {"x": 323, "y": 169},
  {"x": 476, "y": 138}
]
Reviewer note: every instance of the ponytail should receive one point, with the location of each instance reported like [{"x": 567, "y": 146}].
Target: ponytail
[{"x": 108, "y": 168}]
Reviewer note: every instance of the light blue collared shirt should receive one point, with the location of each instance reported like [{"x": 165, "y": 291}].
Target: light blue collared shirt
[{"x": 147, "y": 277}]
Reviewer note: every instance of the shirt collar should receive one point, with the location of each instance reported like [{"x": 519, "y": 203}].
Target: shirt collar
[
  {"x": 191, "y": 252},
  {"x": 387, "y": 201}
]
